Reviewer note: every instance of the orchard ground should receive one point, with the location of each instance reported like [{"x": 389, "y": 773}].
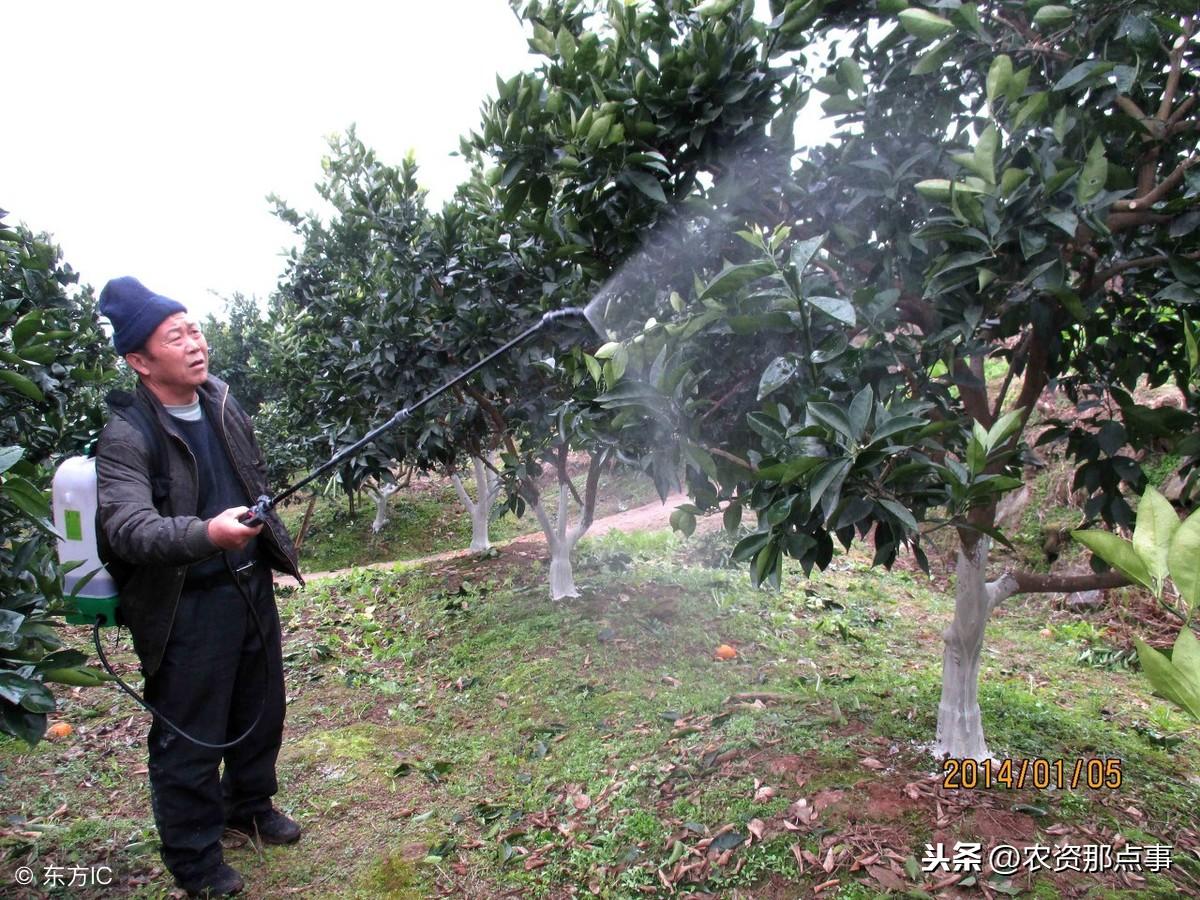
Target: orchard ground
[{"x": 451, "y": 732}]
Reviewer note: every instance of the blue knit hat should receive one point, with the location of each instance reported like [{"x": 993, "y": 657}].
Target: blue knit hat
[{"x": 134, "y": 311}]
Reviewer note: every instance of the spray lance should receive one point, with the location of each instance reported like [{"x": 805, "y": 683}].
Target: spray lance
[
  {"x": 265, "y": 503},
  {"x": 95, "y": 593}
]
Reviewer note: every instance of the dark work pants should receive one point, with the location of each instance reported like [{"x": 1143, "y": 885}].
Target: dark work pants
[{"x": 211, "y": 684}]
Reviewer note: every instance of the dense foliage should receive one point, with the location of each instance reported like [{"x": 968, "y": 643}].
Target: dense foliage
[{"x": 54, "y": 360}]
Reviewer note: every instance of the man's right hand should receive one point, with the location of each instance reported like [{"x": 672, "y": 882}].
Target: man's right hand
[{"x": 228, "y": 533}]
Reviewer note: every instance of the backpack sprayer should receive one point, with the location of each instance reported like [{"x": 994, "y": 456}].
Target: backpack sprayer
[{"x": 94, "y": 591}]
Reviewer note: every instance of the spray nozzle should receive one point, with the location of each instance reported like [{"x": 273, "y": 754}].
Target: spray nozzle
[{"x": 555, "y": 314}]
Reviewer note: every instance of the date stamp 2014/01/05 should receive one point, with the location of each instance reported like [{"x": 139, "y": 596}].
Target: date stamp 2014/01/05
[{"x": 1040, "y": 773}]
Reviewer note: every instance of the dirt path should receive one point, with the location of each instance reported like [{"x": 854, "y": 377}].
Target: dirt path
[{"x": 653, "y": 515}]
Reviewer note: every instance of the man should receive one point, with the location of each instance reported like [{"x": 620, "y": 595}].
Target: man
[{"x": 179, "y": 565}]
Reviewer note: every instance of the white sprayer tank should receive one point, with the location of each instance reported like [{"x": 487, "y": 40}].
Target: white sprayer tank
[{"x": 74, "y": 501}]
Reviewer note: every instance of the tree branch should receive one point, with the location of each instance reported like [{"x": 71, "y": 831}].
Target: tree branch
[
  {"x": 1020, "y": 351},
  {"x": 1182, "y": 110},
  {"x": 1131, "y": 109},
  {"x": 725, "y": 398},
  {"x": 1176, "y": 58},
  {"x": 563, "y": 477},
  {"x": 1038, "y": 583},
  {"x": 1122, "y": 221},
  {"x": 725, "y": 454},
  {"x": 974, "y": 396},
  {"x": 1163, "y": 188}
]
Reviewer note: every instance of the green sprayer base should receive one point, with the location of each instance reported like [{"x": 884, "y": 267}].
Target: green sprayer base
[{"x": 87, "y": 609}]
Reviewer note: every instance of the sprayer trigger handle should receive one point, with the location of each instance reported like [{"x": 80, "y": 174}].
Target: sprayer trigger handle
[{"x": 256, "y": 514}]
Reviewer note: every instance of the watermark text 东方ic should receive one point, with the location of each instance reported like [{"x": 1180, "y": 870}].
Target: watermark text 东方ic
[{"x": 54, "y": 876}]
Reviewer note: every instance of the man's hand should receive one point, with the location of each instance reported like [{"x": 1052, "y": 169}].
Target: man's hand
[{"x": 228, "y": 533}]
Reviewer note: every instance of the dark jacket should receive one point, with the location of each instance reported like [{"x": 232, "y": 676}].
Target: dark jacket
[{"x": 160, "y": 546}]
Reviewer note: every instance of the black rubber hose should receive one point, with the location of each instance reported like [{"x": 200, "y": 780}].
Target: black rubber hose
[{"x": 262, "y": 637}]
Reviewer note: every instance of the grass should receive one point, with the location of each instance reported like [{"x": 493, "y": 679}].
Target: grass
[{"x": 451, "y": 731}]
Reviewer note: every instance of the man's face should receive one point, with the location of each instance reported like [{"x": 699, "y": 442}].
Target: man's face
[{"x": 174, "y": 358}]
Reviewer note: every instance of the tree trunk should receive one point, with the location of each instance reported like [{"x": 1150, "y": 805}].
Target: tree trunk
[
  {"x": 960, "y": 727},
  {"x": 312, "y": 502},
  {"x": 382, "y": 494},
  {"x": 562, "y": 539},
  {"x": 562, "y": 573},
  {"x": 487, "y": 486}
]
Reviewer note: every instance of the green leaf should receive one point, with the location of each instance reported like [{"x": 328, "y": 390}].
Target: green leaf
[
  {"x": 566, "y": 45},
  {"x": 731, "y": 278},
  {"x": 1052, "y": 16},
  {"x": 985, "y": 154},
  {"x": 803, "y": 252},
  {"x": 732, "y": 517},
  {"x": 1084, "y": 71},
  {"x": 608, "y": 350},
  {"x": 1031, "y": 110},
  {"x": 787, "y": 472},
  {"x": 646, "y": 183},
  {"x": 860, "y": 412},
  {"x": 1003, "y": 428},
  {"x": 840, "y": 309},
  {"x": 924, "y": 25},
  {"x": 895, "y": 426},
  {"x": 851, "y": 74},
  {"x": 1117, "y": 552},
  {"x": 750, "y": 545},
  {"x": 26, "y": 497},
  {"x": 1011, "y": 180},
  {"x": 779, "y": 511},
  {"x": 1156, "y": 525},
  {"x": 777, "y": 373},
  {"x": 1185, "y": 657},
  {"x": 831, "y": 472},
  {"x": 999, "y": 76},
  {"x": 26, "y": 327},
  {"x": 1183, "y": 560},
  {"x": 1167, "y": 680},
  {"x": 832, "y": 417},
  {"x": 22, "y": 385},
  {"x": 1064, "y": 219},
  {"x": 1094, "y": 174},
  {"x": 901, "y": 513},
  {"x": 9, "y": 456},
  {"x": 935, "y": 57},
  {"x": 940, "y": 188}
]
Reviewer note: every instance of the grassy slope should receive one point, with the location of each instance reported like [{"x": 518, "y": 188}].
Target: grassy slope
[{"x": 450, "y": 730}]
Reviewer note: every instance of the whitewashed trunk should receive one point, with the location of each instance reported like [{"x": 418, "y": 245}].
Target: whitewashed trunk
[
  {"x": 561, "y": 540},
  {"x": 487, "y": 486},
  {"x": 960, "y": 726},
  {"x": 382, "y": 494},
  {"x": 562, "y": 574}
]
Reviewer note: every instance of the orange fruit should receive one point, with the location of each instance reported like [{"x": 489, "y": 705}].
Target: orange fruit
[
  {"x": 726, "y": 652},
  {"x": 59, "y": 730}
]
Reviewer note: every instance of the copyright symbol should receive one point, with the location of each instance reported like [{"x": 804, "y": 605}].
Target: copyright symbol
[{"x": 25, "y": 876}]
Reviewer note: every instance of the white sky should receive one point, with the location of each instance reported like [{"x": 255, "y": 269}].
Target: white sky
[{"x": 145, "y": 136}]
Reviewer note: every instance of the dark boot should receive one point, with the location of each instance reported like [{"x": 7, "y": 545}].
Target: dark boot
[
  {"x": 271, "y": 827},
  {"x": 223, "y": 881}
]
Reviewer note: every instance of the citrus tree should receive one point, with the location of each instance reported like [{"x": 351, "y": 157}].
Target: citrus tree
[
  {"x": 1006, "y": 182},
  {"x": 54, "y": 360}
]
